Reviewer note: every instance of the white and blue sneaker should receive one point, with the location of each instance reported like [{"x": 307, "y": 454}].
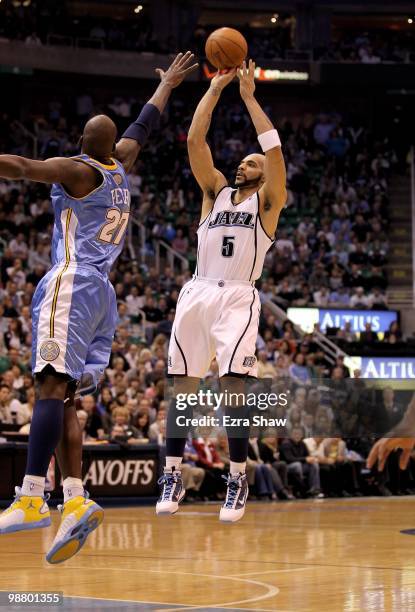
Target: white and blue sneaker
[
  {"x": 172, "y": 492},
  {"x": 234, "y": 507}
]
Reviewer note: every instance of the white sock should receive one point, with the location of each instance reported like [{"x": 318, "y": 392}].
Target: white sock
[
  {"x": 236, "y": 468},
  {"x": 33, "y": 486},
  {"x": 72, "y": 487},
  {"x": 174, "y": 462}
]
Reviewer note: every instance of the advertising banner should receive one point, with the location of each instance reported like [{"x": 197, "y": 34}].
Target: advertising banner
[{"x": 306, "y": 318}]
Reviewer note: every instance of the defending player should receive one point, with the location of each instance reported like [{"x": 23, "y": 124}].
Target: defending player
[
  {"x": 74, "y": 308},
  {"x": 218, "y": 310}
]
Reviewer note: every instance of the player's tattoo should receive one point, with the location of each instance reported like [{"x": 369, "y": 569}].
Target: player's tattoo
[{"x": 216, "y": 91}]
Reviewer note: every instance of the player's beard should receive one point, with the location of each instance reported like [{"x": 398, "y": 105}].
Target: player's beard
[{"x": 247, "y": 183}]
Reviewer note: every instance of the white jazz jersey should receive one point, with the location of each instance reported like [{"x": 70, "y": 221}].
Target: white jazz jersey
[
  {"x": 218, "y": 311},
  {"x": 232, "y": 243}
]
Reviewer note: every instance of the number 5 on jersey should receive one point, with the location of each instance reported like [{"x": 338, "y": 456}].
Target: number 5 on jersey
[
  {"x": 113, "y": 230},
  {"x": 228, "y": 246}
]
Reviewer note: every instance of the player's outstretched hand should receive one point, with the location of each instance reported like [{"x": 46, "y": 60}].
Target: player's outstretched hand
[
  {"x": 223, "y": 78},
  {"x": 381, "y": 450},
  {"x": 246, "y": 75},
  {"x": 182, "y": 65}
]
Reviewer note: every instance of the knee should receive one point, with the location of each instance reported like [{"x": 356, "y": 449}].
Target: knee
[
  {"x": 234, "y": 384},
  {"x": 185, "y": 385},
  {"x": 52, "y": 387},
  {"x": 296, "y": 468}
]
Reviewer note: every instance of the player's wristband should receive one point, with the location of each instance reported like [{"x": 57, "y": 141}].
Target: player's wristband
[
  {"x": 269, "y": 140},
  {"x": 148, "y": 119}
]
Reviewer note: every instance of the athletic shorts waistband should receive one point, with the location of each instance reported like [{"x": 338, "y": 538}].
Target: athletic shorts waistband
[{"x": 219, "y": 282}]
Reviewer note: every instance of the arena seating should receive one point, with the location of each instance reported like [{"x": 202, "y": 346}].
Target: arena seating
[
  {"x": 41, "y": 24},
  {"x": 331, "y": 249}
]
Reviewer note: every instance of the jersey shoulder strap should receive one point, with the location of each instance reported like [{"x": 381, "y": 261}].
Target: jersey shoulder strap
[{"x": 222, "y": 196}]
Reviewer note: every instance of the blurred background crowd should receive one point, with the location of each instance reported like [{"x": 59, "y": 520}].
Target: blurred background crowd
[
  {"x": 331, "y": 250},
  {"x": 269, "y": 37}
]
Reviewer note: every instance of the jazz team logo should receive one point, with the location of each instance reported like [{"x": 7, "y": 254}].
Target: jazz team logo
[{"x": 49, "y": 350}]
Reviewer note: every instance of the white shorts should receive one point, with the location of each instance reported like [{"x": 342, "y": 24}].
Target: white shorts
[{"x": 215, "y": 318}]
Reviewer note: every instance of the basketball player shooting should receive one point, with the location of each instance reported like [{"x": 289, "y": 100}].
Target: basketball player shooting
[
  {"x": 218, "y": 310},
  {"x": 74, "y": 309}
]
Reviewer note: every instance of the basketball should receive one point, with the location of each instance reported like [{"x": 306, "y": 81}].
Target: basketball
[{"x": 226, "y": 48}]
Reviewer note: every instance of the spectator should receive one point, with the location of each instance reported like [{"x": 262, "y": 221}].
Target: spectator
[
  {"x": 94, "y": 426},
  {"x": 142, "y": 425},
  {"x": 302, "y": 467},
  {"x": 269, "y": 454},
  {"x": 299, "y": 372},
  {"x": 11, "y": 410},
  {"x": 29, "y": 405},
  {"x": 14, "y": 336},
  {"x": 343, "y": 475},
  {"x": 121, "y": 429},
  {"x": 263, "y": 479},
  {"x": 155, "y": 429},
  {"x": 209, "y": 460},
  {"x": 266, "y": 369},
  {"x": 368, "y": 336},
  {"x": 358, "y": 299},
  {"x": 83, "y": 420}
]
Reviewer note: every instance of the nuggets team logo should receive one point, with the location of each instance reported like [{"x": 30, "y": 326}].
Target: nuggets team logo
[
  {"x": 249, "y": 361},
  {"x": 49, "y": 350},
  {"x": 118, "y": 179}
]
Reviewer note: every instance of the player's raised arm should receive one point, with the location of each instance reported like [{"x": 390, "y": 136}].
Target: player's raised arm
[
  {"x": 136, "y": 135},
  {"x": 78, "y": 178},
  {"x": 273, "y": 191},
  {"x": 209, "y": 178}
]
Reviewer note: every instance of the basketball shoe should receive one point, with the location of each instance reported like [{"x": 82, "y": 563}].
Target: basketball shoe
[
  {"x": 172, "y": 492},
  {"x": 25, "y": 513},
  {"x": 234, "y": 507},
  {"x": 80, "y": 516}
]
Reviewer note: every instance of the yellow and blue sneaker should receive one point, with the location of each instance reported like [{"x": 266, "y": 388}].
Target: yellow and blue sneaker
[
  {"x": 25, "y": 513},
  {"x": 80, "y": 516}
]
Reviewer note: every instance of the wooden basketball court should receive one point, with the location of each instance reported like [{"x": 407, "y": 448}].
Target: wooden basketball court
[{"x": 330, "y": 555}]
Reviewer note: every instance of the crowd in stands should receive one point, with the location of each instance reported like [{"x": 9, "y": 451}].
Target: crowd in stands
[
  {"x": 52, "y": 23},
  {"x": 331, "y": 250},
  {"x": 371, "y": 47}
]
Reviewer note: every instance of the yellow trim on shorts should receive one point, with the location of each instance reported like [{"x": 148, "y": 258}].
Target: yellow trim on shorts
[{"x": 58, "y": 280}]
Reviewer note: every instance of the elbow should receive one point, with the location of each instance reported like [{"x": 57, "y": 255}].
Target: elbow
[
  {"x": 195, "y": 140},
  {"x": 191, "y": 142}
]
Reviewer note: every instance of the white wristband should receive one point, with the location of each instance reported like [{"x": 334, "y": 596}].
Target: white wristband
[{"x": 269, "y": 140}]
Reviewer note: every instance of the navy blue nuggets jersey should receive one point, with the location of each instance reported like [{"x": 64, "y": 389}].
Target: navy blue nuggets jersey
[
  {"x": 74, "y": 308},
  {"x": 92, "y": 229}
]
